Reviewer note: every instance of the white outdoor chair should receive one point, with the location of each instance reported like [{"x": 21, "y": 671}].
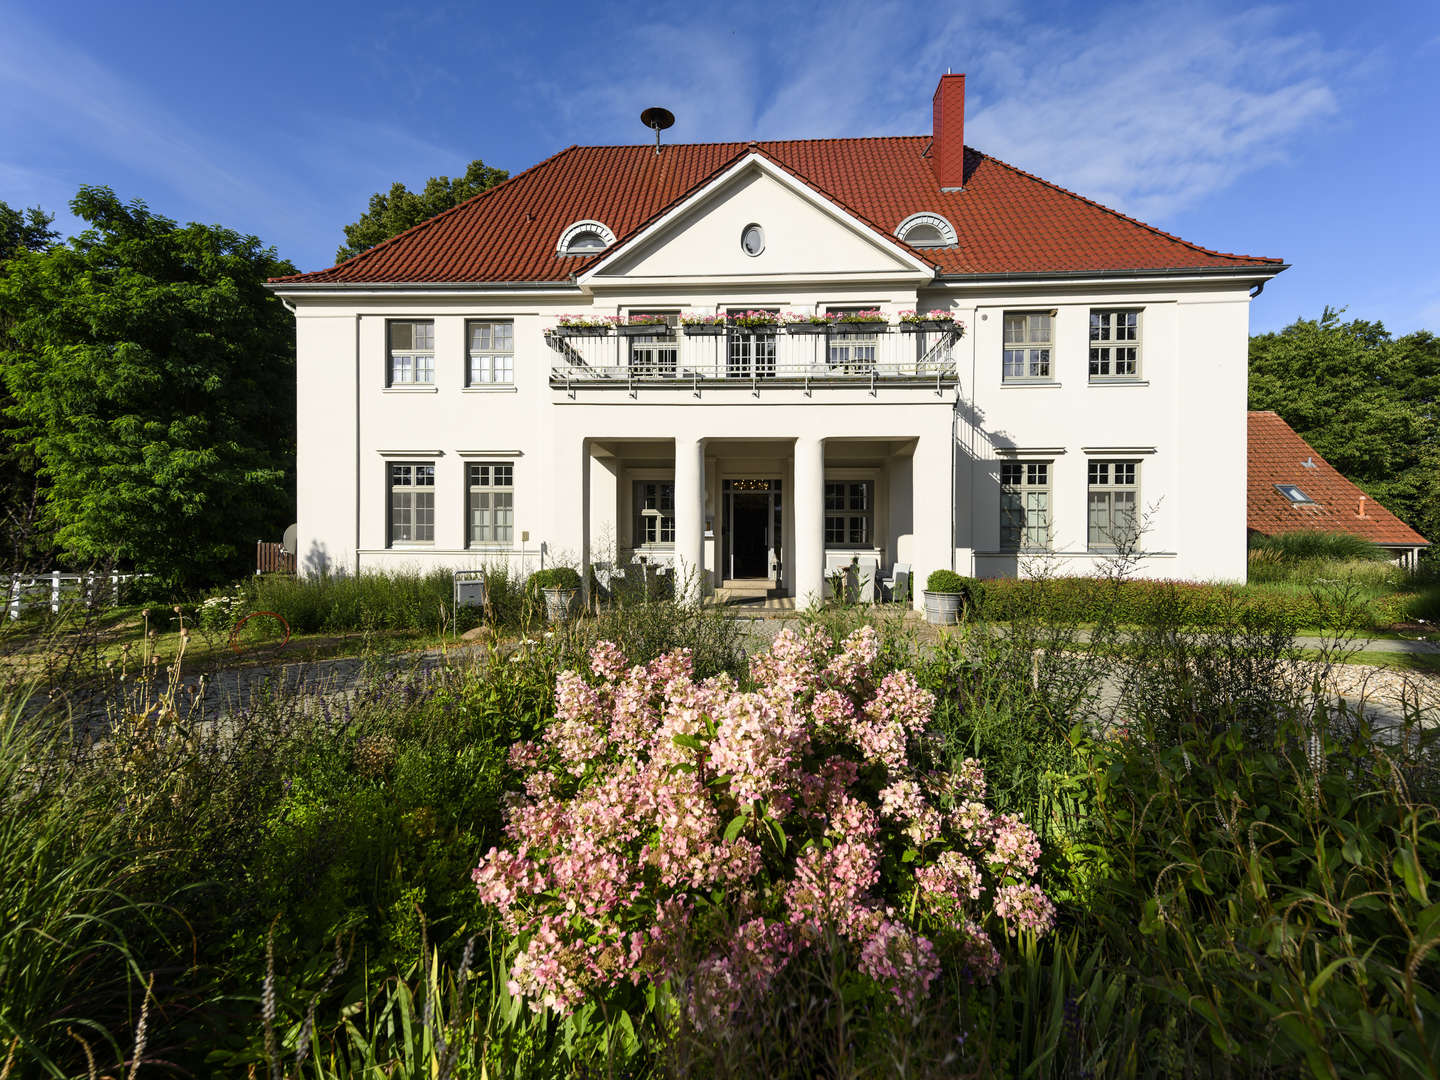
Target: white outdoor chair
[{"x": 897, "y": 585}]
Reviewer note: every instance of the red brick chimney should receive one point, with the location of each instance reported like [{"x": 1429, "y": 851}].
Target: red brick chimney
[{"x": 947, "y": 149}]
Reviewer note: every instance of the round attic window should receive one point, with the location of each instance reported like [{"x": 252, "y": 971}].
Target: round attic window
[{"x": 752, "y": 239}]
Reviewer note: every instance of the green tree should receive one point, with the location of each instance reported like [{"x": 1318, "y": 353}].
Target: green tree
[
  {"x": 1366, "y": 401},
  {"x": 152, "y": 377},
  {"x": 393, "y": 212},
  {"x": 24, "y": 543}
]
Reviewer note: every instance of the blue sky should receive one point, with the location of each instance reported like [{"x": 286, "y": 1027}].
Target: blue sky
[{"x": 1304, "y": 130}]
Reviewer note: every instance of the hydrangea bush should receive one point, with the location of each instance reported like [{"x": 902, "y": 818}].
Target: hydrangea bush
[{"x": 687, "y": 831}]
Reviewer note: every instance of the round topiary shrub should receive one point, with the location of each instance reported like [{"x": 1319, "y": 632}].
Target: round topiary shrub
[
  {"x": 948, "y": 581},
  {"x": 555, "y": 577}
]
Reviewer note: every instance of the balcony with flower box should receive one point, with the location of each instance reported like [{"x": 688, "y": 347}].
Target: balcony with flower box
[{"x": 756, "y": 351}]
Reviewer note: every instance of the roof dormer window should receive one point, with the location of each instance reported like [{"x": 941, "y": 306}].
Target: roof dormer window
[
  {"x": 585, "y": 238},
  {"x": 926, "y": 231}
]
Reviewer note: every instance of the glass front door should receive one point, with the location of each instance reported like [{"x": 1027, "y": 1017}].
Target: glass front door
[{"x": 752, "y": 529}]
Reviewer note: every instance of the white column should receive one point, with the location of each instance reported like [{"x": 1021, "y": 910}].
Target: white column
[
  {"x": 689, "y": 517},
  {"x": 809, "y": 496}
]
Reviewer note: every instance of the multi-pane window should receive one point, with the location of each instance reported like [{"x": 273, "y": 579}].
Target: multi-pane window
[
  {"x": 1024, "y": 505},
  {"x": 1114, "y": 496},
  {"x": 849, "y": 513},
  {"x": 1029, "y": 339},
  {"x": 852, "y": 353},
  {"x": 1114, "y": 344},
  {"x": 654, "y": 512},
  {"x": 751, "y": 353},
  {"x": 412, "y": 353},
  {"x": 412, "y": 504},
  {"x": 492, "y": 354},
  {"x": 657, "y": 355},
  {"x": 491, "y": 497}
]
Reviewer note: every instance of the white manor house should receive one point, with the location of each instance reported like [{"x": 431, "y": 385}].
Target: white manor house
[{"x": 708, "y": 357}]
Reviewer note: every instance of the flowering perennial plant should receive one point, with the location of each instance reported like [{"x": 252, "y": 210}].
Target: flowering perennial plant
[
  {"x": 938, "y": 315},
  {"x": 866, "y": 315},
  {"x": 699, "y": 318},
  {"x": 670, "y": 829},
  {"x": 584, "y": 322},
  {"x": 750, "y": 319}
]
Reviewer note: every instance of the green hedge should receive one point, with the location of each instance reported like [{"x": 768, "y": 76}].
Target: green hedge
[{"x": 1094, "y": 600}]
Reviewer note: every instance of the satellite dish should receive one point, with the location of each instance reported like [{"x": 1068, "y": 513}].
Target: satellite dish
[
  {"x": 657, "y": 120},
  {"x": 291, "y": 539}
]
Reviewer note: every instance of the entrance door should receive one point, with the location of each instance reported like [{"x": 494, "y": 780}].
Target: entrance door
[{"x": 750, "y": 534}]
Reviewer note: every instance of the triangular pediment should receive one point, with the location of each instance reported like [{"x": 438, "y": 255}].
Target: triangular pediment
[{"x": 806, "y": 236}]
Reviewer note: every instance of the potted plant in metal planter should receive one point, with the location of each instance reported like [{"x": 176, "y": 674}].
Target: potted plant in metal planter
[
  {"x": 798, "y": 323},
  {"x": 582, "y": 326},
  {"x": 854, "y": 323},
  {"x": 560, "y": 585},
  {"x": 695, "y": 324},
  {"x": 947, "y": 594},
  {"x": 926, "y": 322},
  {"x": 644, "y": 326}
]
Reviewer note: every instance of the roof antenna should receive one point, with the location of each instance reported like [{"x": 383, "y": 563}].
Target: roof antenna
[{"x": 658, "y": 120}]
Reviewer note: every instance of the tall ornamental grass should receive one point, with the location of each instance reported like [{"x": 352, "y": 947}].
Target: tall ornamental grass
[{"x": 73, "y": 971}]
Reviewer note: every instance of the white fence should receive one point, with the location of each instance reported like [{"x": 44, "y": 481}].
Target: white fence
[{"x": 56, "y": 590}]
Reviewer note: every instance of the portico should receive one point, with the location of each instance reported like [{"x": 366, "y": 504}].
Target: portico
[{"x": 776, "y": 514}]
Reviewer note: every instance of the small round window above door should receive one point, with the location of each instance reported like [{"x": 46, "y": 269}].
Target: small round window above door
[{"x": 752, "y": 239}]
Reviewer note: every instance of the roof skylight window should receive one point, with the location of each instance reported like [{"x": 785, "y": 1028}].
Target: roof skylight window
[{"x": 1294, "y": 494}]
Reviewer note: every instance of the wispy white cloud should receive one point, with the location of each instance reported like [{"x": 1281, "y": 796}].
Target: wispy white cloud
[{"x": 1148, "y": 111}]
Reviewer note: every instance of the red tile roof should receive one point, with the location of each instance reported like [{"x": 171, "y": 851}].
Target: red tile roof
[
  {"x": 1277, "y": 456},
  {"x": 1008, "y": 221}
]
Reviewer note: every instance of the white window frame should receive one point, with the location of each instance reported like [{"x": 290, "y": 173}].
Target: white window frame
[
  {"x": 410, "y": 365},
  {"x": 656, "y": 520},
  {"x": 656, "y": 356},
  {"x": 750, "y": 354},
  {"x": 1111, "y": 481},
  {"x": 1111, "y": 339},
  {"x": 1026, "y": 494},
  {"x": 493, "y": 484},
  {"x": 852, "y": 353},
  {"x": 566, "y": 244},
  {"x": 849, "y": 518},
  {"x": 490, "y": 353},
  {"x": 1034, "y": 354},
  {"x": 405, "y": 491}
]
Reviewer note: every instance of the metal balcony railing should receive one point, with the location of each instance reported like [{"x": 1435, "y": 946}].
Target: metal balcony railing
[{"x": 754, "y": 361}]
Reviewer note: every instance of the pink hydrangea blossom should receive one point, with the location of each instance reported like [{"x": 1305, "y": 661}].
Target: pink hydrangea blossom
[{"x": 803, "y": 801}]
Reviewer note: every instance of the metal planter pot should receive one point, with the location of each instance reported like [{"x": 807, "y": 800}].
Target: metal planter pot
[
  {"x": 944, "y": 608},
  {"x": 560, "y": 603},
  {"x": 581, "y": 331},
  {"x": 807, "y": 328},
  {"x": 705, "y": 330}
]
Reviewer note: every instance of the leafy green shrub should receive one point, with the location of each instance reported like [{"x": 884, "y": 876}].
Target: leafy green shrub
[
  {"x": 555, "y": 577},
  {"x": 948, "y": 581},
  {"x": 1312, "y": 544}
]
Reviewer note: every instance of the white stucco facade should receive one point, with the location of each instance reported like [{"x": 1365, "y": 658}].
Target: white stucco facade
[{"x": 746, "y": 443}]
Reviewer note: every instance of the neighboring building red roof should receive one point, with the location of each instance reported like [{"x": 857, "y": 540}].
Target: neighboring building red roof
[
  {"x": 1279, "y": 456},
  {"x": 1008, "y": 221}
]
